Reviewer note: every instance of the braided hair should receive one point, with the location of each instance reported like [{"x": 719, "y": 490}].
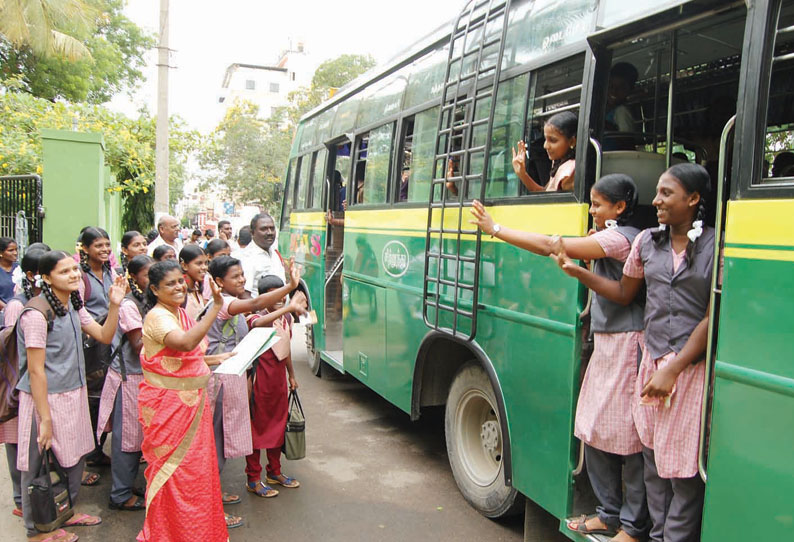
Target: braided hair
[
  {"x": 157, "y": 273},
  {"x": 87, "y": 239},
  {"x": 30, "y": 264},
  {"x": 135, "y": 266},
  {"x": 47, "y": 263},
  {"x": 619, "y": 187},
  {"x": 126, "y": 239},
  {"x": 693, "y": 178},
  {"x": 187, "y": 255}
]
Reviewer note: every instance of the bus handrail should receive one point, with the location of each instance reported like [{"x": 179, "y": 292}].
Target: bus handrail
[
  {"x": 599, "y": 155},
  {"x": 726, "y": 131}
]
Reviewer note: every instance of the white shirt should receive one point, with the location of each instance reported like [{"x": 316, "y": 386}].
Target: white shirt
[
  {"x": 176, "y": 245},
  {"x": 258, "y": 263}
]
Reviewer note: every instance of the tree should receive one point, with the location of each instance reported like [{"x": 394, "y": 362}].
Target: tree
[
  {"x": 129, "y": 147},
  {"x": 246, "y": 156},
  {"x": 116, "y": 49},
  {"x": 47, "y": 27}
]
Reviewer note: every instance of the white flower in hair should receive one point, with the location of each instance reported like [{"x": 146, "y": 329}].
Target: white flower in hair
[
  {"x": 17, "y": 276},
  {"x": 662, "y": 227},
  {"x": 696, "y": 231},
  {"x": 37, "y": 281},
  {"x": 611, "y": 224}
]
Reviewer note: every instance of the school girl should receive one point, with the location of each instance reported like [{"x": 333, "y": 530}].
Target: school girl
[
  {"x": 604, "y": 424},
  {"x": 194, "y": 264},
  {"x": 214, "y": 249},
  {"x": 559, "y": 133},
  {"x": 269, "y": 397},
  {"x": 232, "y": 419},
  {"x": 119, "y": 401},
  {"x": 164, "y": 252},
  {"x": 27, "y": 280},
  {"x": 97, "y": 277},
  {"x": 9, "y": 251},
  {"x": 675, "y": 261},
  {"x": 53, "y": 400},
  {"x": 132, "y": 244}
]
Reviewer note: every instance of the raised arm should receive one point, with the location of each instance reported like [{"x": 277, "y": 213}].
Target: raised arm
[
  {"x": 267, "y": 299},
  {"x": 580, "y": 248},
  {"x": 107, "y": 331},
  {"x": 296, "y": 305},
  {"x": 185, "y": 341},
  {"x": 520, "y": 168},
  {"x": 622, "y": 292}
]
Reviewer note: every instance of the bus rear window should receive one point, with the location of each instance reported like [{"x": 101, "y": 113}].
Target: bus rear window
[{"x": 777, "y": 168}]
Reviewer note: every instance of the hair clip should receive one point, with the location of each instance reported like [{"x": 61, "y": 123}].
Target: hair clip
[
  {"x": 611, "y": 224},
  {"x": 696, "y": 231}
]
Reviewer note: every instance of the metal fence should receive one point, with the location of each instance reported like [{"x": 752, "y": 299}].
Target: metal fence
[{"x": 21, "y": 211}]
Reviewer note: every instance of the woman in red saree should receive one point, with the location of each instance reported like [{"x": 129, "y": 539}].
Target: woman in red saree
[{"x": 183, "y": 490}]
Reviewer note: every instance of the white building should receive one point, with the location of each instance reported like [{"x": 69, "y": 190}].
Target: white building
[{"x": 267, "y": 85}]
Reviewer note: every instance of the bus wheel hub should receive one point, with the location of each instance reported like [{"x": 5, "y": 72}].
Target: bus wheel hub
[{"x": 489, "y": 434}]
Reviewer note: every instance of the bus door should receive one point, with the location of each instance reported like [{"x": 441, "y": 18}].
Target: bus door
[
  {"x": 747, "y": 457},
  {"x": 461, "y": 156},
  {"x": 338, "y": 184}
]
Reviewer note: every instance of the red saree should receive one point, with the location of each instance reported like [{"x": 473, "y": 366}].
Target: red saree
[{"x": 183, "y": 490}]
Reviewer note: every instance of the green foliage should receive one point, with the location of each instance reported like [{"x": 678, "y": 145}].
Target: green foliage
[
  {"x": 129, "y": 146},
  {"x": 116, "y": 46},
  {"x": 48, "y": 27}
]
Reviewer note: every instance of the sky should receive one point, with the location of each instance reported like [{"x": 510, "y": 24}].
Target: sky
[{"x": 206, "y": 36}]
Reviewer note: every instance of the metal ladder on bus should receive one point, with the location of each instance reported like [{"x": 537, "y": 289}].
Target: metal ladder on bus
[{"x": 452, "y": 246}]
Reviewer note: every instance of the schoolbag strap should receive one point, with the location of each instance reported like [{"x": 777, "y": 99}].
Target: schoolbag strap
[
  {"x": 119, "y": 351},
  {"x": 87, "y": 284}
]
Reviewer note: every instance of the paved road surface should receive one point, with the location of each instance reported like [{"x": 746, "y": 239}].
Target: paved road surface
[{"x": 370, "y": 475}]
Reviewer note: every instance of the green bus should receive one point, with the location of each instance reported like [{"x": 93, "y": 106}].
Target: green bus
[{"x": 418, "y": 306}]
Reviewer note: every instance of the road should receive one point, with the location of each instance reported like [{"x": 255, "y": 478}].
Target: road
[{"x": 370, "y": 475}]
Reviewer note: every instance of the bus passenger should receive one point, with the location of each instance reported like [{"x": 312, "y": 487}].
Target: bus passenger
[
  {"x": 560, "y": 134},
  {"x": 622, "y": 78},
  {"x": 781, "y": 162},
  {"x": 603, "y": 414},
  {"x": 675, "y": 260}
]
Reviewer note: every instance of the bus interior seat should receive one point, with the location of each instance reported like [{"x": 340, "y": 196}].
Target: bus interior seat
[{"x": 645, "y": 168}]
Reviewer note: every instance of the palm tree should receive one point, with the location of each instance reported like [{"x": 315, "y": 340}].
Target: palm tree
[{"x": 42, "y": 25}]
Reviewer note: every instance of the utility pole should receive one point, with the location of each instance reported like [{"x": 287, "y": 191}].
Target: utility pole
[{"x": 161, "y": 138}]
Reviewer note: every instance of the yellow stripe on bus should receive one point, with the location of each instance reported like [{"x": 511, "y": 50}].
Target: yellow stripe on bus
[
  {"x": 560, "y": 218},
  {"x": 760, "y": 222},
  {"x": 312, "y": 218},
  {"x": 759, "y": 254}
]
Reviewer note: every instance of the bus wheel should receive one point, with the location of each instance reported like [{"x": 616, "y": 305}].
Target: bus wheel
[
  {"x": 315, "y": 362},
  {"x": 474, "y": 444}
]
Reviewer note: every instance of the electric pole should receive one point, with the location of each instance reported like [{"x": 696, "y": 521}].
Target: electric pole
[{"x": 161, "y": 138}]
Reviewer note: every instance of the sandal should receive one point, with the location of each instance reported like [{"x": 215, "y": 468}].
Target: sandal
[
  {"x": 90, "y": 479},
  {"x": 58, "y": 536},
  {"x": 581, "y": 526},
  {"x": 288, "y": 482},
  {"x": 83, "y": 520},
  {"x": 137, "y": 504},
  {"x": 233, "y": 521},
  {"x": 230, "y": 499},
  {"x": 261, "y": 490}
]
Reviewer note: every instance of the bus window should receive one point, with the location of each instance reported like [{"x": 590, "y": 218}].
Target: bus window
[
  {"x": 553, "y": 89},
  {"x": 419, "y": 138},
  {"x": 508, "y": 127},
  {"x": 355, "y": 188},
  {"x": 304, "y": 165},
  {"x": 378, "y": 164},
  {"x": 286, "y": 209},
  {"x": 778, "y": 164},
  {"x": 315, "y": 200}
]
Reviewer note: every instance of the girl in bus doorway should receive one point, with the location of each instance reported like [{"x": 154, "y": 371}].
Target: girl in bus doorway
[
  {"x": 613, "y": 450},
  {"x": 676, "y": 262},
  {"x": 560, "y": 144}
]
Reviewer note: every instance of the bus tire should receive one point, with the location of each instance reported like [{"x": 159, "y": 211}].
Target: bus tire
[
  {"x": 474, "y": 444},
  {"x": 313, "y": 355}
]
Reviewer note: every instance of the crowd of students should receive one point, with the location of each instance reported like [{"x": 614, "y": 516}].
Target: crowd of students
[{"x": 166, "y": 324}]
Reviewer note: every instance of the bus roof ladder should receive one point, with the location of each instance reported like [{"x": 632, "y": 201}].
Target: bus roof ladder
[{"x": 452, "y": 251}]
